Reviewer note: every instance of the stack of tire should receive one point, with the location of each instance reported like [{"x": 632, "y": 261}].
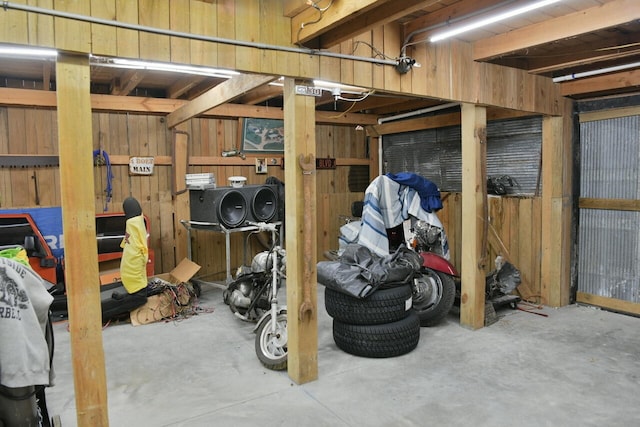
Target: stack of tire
[{"x": 381, "y": 325}]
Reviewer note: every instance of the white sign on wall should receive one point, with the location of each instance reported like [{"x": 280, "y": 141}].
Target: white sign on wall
[{"x": 141, "y": 165}]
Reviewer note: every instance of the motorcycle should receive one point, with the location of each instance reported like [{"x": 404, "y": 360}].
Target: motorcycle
[
  {"x": 434, "y": 289},
  {"x": 253, "y": 297}
]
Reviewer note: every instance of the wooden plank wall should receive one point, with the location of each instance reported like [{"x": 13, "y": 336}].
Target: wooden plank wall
[
  {"x": 126, "y": 134},
  {"x": 264, "y": 21},
  {"x": 517, "y": 222}
]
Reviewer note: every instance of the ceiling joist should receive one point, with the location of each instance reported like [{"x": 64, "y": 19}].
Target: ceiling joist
[
  {"x": 622, "y": 80},
  {"x": 381, "y": 15},
  {"x": 311, "y": 22},
  {"x": 223, "y": 93},
  {"x": 596, "y": 18},
  {"x": 423, "y": 26}
]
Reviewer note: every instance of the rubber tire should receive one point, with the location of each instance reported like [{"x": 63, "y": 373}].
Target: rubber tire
[
  {"x": 382, "y": 306},
  {"x": 378, "y": 341},
  {"x": 272, "y": 351},
  {"x": 432, "y": 312}
]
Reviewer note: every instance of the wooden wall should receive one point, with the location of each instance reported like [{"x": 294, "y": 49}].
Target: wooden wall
[
  {"x": 449, "y": 71},
  {"x": 32, "y": 131},
  {"x": 517, "y": 222},
  {"x": 451, "y": 75}
]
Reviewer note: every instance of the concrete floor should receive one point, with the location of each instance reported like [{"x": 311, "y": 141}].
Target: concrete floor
[{"x": 579, "y": 366}]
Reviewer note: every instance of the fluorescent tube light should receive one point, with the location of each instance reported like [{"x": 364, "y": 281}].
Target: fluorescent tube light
[
  {"x": 133, "y": 64},
  {"x": 491, "y": 20},
  {"x": 328, "y": 86},
  {"x": 28, "y": 51},
  {"x": 613, "y": 69}
]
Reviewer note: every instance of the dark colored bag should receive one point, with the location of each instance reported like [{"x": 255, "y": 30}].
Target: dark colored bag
[{"x": 359, "y": 272}]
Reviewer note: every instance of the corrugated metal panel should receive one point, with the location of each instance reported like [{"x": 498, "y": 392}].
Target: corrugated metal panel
[
  {"x": 513, "y": 149},
  {"x": 608, "y": 254},
  {"x": 609, "y": 241},
  {"x": 609, "y": 158}
]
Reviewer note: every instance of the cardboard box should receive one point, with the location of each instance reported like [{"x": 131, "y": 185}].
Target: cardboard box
[
  {"x": 161, "y": 306},
  {"x": 181, "y": 274}
]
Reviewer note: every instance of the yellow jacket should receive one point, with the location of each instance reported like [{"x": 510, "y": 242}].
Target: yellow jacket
[{"x": 135, "y": 255}]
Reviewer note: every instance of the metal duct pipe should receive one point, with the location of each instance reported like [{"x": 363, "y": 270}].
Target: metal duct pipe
[{"x": 60, "y": 14}]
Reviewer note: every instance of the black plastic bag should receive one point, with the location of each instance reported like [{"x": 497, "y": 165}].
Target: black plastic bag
[{"x": 359, "y": 272}]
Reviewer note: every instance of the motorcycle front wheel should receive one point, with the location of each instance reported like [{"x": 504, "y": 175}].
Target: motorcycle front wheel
[
  {"x": 271, "y": 345},
  {"x": 433, "y": 296}
]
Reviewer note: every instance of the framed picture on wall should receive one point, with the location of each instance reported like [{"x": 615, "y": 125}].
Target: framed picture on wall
[
  {"x": 262, "y": 136},
  {"x": 261, "y": 165}
]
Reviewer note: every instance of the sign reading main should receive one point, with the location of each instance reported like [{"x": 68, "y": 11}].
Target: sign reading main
[{"x": 141, "y": 165}]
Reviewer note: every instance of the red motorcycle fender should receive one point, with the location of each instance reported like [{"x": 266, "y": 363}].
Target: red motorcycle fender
[{"x": 437, "y": 263}]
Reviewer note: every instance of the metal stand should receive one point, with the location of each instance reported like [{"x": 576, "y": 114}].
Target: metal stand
[{"x": 219, "y": 228}]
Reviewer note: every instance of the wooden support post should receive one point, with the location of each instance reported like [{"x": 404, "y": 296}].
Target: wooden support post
[
  {"x": 299, "y": 137},
  {"x": 81, "y": 251},
  {"x": 556, "y": 211},
  {"x": 474, "y": 153},
  {"x": 374, "y": 157},
  {"x": 181, "y": 199}
]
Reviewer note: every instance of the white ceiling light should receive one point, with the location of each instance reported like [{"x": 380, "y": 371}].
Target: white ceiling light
[
  {"x": 161, "y": 66},
  {"x": 329, "y": 86},
  {"x": 7, "y": 50},
  {"x": 491, "y": 20}
]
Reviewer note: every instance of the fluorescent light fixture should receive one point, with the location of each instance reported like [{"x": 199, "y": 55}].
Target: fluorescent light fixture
[
  {"x": 613, "y": 69},
  {"x": 27, "y": 51},
  {"x": 491, "y": 20},
  {"x": 134, "y": 64},
  {"x": 328, "y": 86}
]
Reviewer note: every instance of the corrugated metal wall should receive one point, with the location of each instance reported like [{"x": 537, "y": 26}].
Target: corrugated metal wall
[
  {"x": 513, "y": 149},
  {"x": 609, "y": 241}
]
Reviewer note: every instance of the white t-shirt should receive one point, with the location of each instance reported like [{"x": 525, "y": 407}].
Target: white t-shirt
[{"x": 24, "y": 311}]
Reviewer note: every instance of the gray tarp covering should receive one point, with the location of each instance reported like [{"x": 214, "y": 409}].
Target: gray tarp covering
[{"x": 359, "y": 271}]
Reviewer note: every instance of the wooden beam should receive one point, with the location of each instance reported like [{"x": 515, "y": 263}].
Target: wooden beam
[
  {"x": 300, "y": 140},
  {"x": 381, "y": 15},
  {"x": 180, "y": 198},
  {"x": 293, "y": 7},
  {"x": 260, "y": 94},
  {"x": 421, "y": 123},
  {"x": 603, "y": 83},
  {"x": 604, "y": 50},
  {"x": 311, "y": 23},
  {"x": 127, "y": 82},
  {"x": 585, "y": 21},
  {"x": 441, "y": 120},
  {"x": 439, "y": 18},
  {"x": 556, "y": 211},
  {"x": 75, "y": 144},
  {"x": 612, "y": 113},
  {"x": 184, "y": 85},
  {"x": 614, "y": 304},
  {"x": 610, "y": 204},
  {"x": 218, "y": 95},
  {"x": 474, "y": 156},
  {"x": 38, "y": 98},
  {"x": 47, "y": 67}
]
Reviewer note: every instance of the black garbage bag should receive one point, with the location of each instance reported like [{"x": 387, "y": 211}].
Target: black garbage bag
[{"x": 359, "y": 272}]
